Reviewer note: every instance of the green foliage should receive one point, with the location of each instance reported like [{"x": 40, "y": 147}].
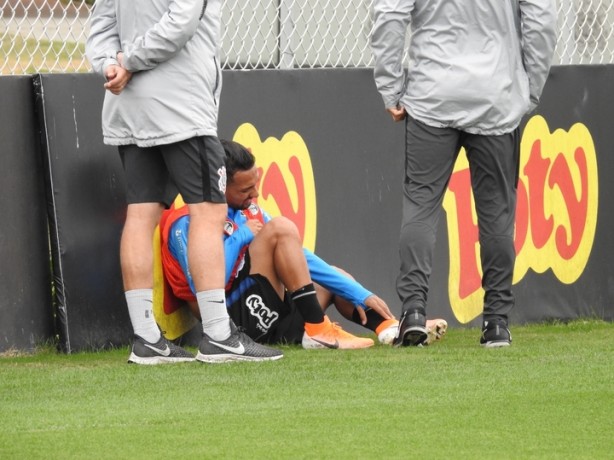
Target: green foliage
[{"x": 550, "y": 395}]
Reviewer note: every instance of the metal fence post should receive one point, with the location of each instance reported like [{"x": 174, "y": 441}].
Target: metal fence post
[{"x": 286, "y": 29}]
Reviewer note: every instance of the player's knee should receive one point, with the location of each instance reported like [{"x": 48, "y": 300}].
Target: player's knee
[{"x": 282, "y": 227}]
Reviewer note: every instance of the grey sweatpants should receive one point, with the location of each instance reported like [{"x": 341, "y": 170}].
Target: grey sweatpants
[{"x": 430, "y": 154}]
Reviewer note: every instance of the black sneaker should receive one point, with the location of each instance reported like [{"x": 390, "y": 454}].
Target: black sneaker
[
  {"x": 412, "y": 330},
  {"x": 495, "y": 334},
  {"x": 238, "y": 347},
  {"x": 161, "y": 352}
]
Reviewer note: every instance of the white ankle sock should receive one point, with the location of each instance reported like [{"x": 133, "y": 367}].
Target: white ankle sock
[
  {"x": 140, "y": 308},
  {"x": 214, "y": 313}
]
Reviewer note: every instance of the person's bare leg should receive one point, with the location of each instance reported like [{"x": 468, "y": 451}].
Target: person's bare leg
[
  {"x": 136, "y": 247},
  {"x": 136, "y": 258},
  {"x": 206, "y": 246},
  {"x": 325, "y": 297},
  {"x": 277, "y": 254},
  {"x": 206, "y": 260}
]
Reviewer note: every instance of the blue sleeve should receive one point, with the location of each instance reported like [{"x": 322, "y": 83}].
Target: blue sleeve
[
  {"x": 335, "y": 281},
  {"x": 232, "y": 247},
  {"x": 233, "y": 243},
  {"x": 178, "y": 246}
]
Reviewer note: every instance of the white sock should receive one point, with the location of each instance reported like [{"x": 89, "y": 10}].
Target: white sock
[
  {"x": 140, "y": 308},
  {"x": 214, "y": 313}
]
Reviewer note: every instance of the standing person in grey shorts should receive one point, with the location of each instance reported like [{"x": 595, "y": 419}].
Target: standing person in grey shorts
[
  {"x": 160, "y": 59},
  {"x": 475, "y": 69}
]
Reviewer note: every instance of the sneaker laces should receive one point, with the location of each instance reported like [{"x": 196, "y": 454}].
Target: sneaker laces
[
  {"x": 338, "y": 331},
  {"x": 243, "y": 337}
]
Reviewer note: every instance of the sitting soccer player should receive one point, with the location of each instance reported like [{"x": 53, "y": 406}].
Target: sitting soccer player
[{"x": 270, "y": 276}]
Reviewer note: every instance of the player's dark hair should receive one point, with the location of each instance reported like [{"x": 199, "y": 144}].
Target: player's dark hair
[{"x": 238, "y": 158}]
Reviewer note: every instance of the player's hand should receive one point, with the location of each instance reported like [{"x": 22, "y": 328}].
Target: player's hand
[
  {"x": 377, "y": 304},
  {"x": 398, "y": 113},
  {"x": 254, "y": 225}
]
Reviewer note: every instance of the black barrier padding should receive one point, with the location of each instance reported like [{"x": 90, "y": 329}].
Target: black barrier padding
[
  {"x": 86, "y": 209},
  {"x": 25, "y": 285}
]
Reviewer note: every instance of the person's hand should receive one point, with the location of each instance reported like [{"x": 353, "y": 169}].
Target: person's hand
[
  {"x": 376, "y": 304},
  {"x": 398, "y": 113},
  {"x": 254, "y": 225},
  {"x": 117, "y": 77}
]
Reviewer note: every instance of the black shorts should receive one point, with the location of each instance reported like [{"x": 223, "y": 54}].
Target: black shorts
[
  {"x": 254, "y": 305},
  {"x": 193, "y": 167}
]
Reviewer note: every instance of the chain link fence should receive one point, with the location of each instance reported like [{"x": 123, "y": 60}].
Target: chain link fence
[{"x": 49, "y": 35}]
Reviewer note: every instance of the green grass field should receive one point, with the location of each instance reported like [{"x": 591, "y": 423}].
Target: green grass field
[{"x": 550, "y": 395}]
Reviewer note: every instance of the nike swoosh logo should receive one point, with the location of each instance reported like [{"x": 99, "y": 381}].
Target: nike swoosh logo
[
  {"x": 165, "y": 352},
  {"x": 236, "y": 350},
  {"x": 218, "y": 301},
  {"x": 334, "y": 346}
]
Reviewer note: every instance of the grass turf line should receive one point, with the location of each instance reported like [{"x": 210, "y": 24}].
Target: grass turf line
[{"x": 550, "y": 395}]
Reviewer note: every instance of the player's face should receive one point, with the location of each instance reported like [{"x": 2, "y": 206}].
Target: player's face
[{"x": 242, "y": 189}]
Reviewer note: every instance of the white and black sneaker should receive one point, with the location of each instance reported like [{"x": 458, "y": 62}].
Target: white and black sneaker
[
  {"x": 161, "y": 352},
  {"x": 495, "y": 334},
  {"x": 238, "y": 347}
]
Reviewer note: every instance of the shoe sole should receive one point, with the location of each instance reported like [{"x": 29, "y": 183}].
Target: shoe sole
[
  {"x": 155, "y": 360},
  {"x": 229, "y": 358},
  {"x": 412, "y": 337},
  {"x": 312, "y": 344},
  {"x": 435, "y": 334},
  {"x": 496, "y": 344}
]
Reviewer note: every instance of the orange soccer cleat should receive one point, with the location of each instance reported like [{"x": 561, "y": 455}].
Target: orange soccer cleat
[{"x": 330, "y": 335}]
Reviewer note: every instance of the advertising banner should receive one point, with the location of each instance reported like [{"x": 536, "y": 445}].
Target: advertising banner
[{"x": 331, "y": 160}]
